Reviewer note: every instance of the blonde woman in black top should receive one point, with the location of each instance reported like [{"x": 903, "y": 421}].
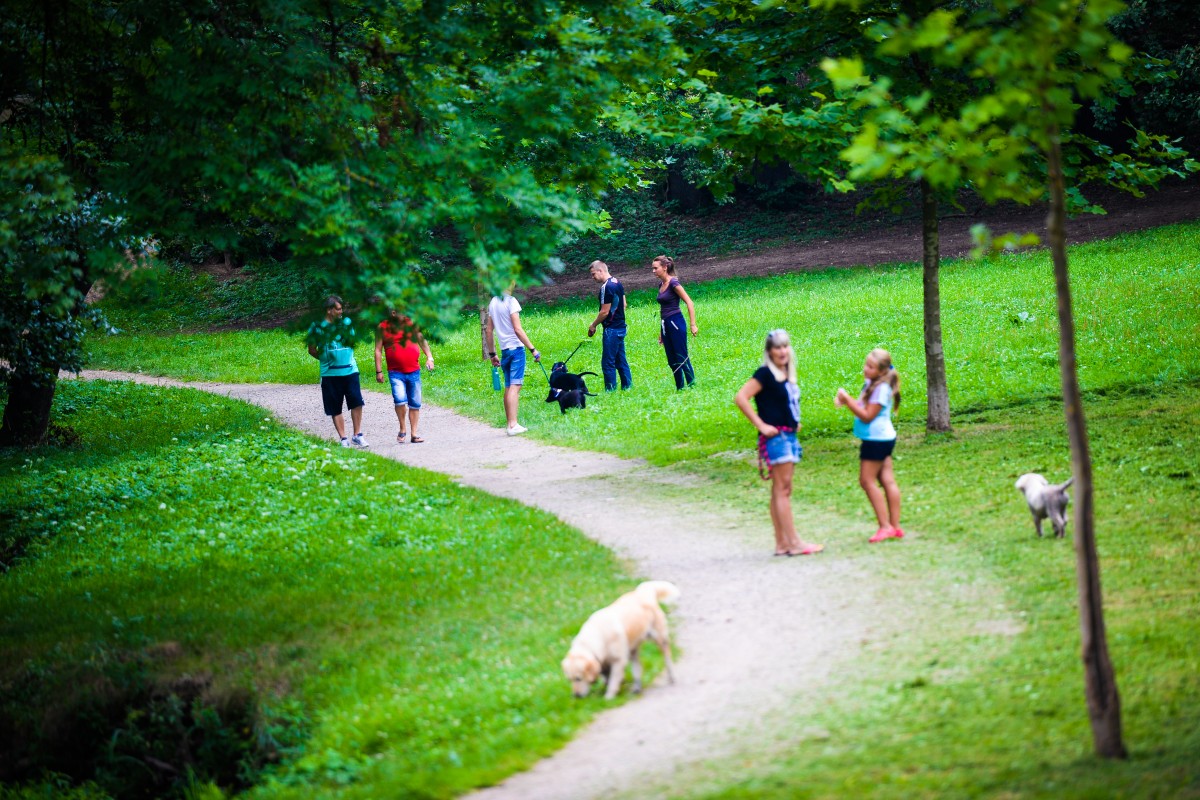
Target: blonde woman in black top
[{"x": 776, "y": 416}]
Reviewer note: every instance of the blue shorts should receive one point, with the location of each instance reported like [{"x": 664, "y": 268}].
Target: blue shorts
[
  {"x": 512, "y": 364},
  {"x": 783, "y": 449},
  {"x": 406, "y": 388}
]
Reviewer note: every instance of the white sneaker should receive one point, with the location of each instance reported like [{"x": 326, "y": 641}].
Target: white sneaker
[
  {"x": 359, "y": 441},
  {"x": 517, "y": 430},
  {"x": 345, "y": 442}
]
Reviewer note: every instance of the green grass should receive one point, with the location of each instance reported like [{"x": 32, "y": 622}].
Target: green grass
[
  {"x": 948, "y": 713},
  {"x": 938, "y": 713},
  {"x": 181, "y": 298},
  {"x": 399, "y": 632}
]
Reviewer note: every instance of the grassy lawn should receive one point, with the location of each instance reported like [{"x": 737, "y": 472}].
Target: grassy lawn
[
  {"x": 977, "y": 713},
  {"x": 330, "y": 622},
  {"x": 965, "y": 717}
]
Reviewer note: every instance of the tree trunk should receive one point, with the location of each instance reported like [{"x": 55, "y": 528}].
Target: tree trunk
[
  {"x": 938, "y": 396},
  {"x": 1104, "y": 703},
  {"x": 27, "y": 414},
  {"x": 483, "y": 319}
]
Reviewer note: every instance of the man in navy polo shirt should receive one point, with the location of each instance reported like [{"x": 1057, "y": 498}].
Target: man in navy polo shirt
[{"x": 612, "y": 319}]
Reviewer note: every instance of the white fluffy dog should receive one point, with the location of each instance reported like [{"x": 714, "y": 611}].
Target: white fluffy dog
[
  {"x": 610, "y": 639},
  {"x": 1046, "y": 499}
]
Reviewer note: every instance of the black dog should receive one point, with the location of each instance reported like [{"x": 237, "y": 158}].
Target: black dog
[
  {"x": 568, "y": 398},
  {"x": 568, "y": 381}
]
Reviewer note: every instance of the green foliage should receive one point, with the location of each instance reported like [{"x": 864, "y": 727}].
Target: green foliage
[
  {"x": 1163, "y": 32},
  {"x": 47, "y": 236},
  {"x": 188, "y": 535},
  {"x": 1028, "y": 62}
]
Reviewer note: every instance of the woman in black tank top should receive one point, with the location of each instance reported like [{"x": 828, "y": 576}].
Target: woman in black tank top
[{"x": 776, "y": 415}]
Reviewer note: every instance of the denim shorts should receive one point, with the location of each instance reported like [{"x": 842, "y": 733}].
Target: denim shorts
[
  {"x": 783, "y": 449},
  {"x": 406, "y": 388},
  {"x": 512, "y": 364}
]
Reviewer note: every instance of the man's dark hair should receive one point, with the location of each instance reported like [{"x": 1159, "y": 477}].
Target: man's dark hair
[{"x": 331, "y": 301}]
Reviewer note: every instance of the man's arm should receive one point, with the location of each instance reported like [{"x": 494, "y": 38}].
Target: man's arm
[
  {"x": 603, "y": 315},
  {"x": 517, "y": 329},
  {"x": 490, "y": 340}
]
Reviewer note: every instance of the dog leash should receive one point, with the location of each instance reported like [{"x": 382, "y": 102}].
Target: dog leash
[{"x": 573, "y": 352}]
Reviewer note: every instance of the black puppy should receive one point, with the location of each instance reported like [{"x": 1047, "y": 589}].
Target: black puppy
[
  {"x": 568, "y": 398},
  {"x": 568, "y": 381}
]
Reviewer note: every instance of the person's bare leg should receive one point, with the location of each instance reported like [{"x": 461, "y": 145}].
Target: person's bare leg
[
  {"x": 888, "y": 478},
  {"x": 414, "y": 414},
  {"x": 781, "y": 543},
  {"x": 339, "y": 425},
  {"x": 868, "y": 479},
  {"x": 401, "y": 412},
  {"x": 356, "y": 419},
  {"x": 781, "y": 507},
  {"x": 511, "y": 398}
]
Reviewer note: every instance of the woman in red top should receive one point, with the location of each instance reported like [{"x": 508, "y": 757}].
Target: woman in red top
[{"x": 401, "y": 342}]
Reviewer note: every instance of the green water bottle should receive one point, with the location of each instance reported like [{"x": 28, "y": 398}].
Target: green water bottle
[{"x": 495, "y": 378}]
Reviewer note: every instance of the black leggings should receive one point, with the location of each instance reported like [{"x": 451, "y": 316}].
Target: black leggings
[{"x": 674, "y": 336}]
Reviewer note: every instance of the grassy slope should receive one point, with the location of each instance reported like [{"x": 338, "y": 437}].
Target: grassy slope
[
  {"x": 344, "y": 588},
  {"x": 974, "y": 718}
]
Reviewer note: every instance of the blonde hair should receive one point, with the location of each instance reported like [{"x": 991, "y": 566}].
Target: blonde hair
[
  {"x": 779, "y": 337},
  {"x": 888, "y": 375},
  {"x": 667, "y": 262}
]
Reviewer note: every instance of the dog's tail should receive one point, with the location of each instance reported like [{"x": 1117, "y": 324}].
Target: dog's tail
[
  {"x": 662, "y": 591},
  {"x": 581, "y": 374}
]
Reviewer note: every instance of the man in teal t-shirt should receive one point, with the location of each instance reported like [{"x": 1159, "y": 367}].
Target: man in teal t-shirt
[{"x": 331, "y": 342}]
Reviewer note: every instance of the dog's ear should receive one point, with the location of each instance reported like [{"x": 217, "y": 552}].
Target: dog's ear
[{"x": 591, "y": 670}]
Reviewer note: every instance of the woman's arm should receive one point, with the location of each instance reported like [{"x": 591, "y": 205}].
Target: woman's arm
[
  {"x": 428, "y": 353},
  {"x": 683, "y": 295},
  {"x": 742, "y": 401},
  {"x": 378, "y": 356}
]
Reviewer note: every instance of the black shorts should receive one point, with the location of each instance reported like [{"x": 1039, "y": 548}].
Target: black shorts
[
  {"x": 335, "y": 388},
  {"x": 876, "y": 451}
]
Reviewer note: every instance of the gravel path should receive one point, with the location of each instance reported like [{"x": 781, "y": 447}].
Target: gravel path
[{"x": 756, "y": 633}]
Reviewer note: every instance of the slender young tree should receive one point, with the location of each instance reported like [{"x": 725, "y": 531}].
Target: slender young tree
[{"x": 1039, "y": 57}]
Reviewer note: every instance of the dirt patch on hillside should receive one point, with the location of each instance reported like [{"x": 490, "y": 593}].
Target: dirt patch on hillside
[{"x": 902, "y": 242}]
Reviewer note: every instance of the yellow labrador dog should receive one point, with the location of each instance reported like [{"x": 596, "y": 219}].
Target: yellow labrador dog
[{"x": 610, "y": 639}]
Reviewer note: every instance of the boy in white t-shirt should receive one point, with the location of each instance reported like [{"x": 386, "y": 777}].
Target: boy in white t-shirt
[{"x": 504, "y": 320}]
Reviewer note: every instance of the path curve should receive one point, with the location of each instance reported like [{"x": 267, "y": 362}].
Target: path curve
[{"x": 755, "y": 631}]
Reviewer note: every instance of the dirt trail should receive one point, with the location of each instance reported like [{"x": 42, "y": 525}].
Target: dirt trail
[
  {"x": 902, "y": 242},
  {"x": 756, "y": 633}
]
